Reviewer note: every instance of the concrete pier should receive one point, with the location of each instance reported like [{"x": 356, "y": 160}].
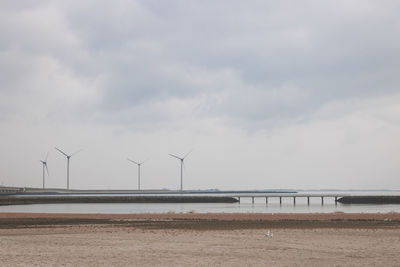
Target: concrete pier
[{"x": 333, "y": 197}]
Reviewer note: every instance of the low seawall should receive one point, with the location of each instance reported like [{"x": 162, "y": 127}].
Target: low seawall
[
  {"x": 370, "y": 200},
  {"x": 12, "y": 200}
]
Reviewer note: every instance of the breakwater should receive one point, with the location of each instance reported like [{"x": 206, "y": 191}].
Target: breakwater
[
  {"x": 26, "y": 200},
  {"x": 369, "y": 200}
]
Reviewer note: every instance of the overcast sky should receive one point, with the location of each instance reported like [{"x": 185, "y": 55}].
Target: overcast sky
[{"x": 268, "y": 94}]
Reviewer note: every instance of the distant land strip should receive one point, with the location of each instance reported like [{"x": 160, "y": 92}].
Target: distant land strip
[{"x": 26, "y": 200}]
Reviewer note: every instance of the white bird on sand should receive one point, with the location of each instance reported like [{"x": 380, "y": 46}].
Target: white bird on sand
[{"x": 270, "y": 234}]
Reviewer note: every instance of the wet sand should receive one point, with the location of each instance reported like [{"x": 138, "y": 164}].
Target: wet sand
[
  {"x": 199, "y": 239},
  {"x": 206, "y": 221}
]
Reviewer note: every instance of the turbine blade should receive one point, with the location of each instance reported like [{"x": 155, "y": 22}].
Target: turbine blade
[
  {"x": 65, "y": 154},
  {"x": 144, "y": 161},
  {"x": 133, "y": 161},
  {"x": 175, "y": 156},
  {"x": 47, "y": 156},
  {"x": 77, "y": 152},
  {"x": 188, "y": 153},
  {"x": 47, "y": 169}
]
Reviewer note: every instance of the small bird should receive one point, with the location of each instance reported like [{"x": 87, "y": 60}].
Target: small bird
[{"x": 269, "y": 234}]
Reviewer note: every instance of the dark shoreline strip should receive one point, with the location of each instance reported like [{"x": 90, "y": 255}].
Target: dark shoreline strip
[
  {"x": 196, "y": 224},
  {"x": 370, "y": 200},
  {"x": 114, "y": 199}
]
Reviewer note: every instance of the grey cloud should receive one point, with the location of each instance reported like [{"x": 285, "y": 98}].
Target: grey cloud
[
  {"x": 155, "y": 51},
  {"x": 265, "y": 82}
]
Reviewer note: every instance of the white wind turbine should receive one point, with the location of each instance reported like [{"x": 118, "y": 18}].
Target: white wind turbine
[
  {"x": 181, "y": 159},
  {"x": 138, "y": 164},
  {"x": 44, "y": 163},
  {"x": 68, "y": 157}
]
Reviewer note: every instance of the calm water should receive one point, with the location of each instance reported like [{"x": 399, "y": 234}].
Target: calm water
[{"x": 245, "y": 206}]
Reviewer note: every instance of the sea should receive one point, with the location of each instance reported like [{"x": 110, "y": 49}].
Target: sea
[{"x": 245, "y": 206}]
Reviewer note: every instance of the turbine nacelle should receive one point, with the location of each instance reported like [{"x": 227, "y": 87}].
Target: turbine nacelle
[
  {"x": 137, "y": 163},
  {"x": 65, "y": 154},
  {"x": 182, "y": 159}
]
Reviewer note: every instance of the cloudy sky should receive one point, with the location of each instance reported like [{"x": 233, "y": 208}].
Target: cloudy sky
[{"x": 268, "y": 94}]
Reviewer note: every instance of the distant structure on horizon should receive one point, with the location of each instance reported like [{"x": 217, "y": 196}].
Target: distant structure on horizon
[
  {"x": 44, "y": 163},
  {"x": 181, "y": 159},
  {"x": 68, "y": 157},
  {"x": 138, "y": 164}
]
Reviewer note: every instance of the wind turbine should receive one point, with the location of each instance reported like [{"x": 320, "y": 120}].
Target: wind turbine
[
  {"x": 181, "y": 159},
  {"x": 44, "y": 163},
  {"x": 138, "y": 164},
  {"x": 68, "y": 157}
]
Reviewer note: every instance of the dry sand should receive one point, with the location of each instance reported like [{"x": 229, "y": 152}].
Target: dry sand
[{"x": 112, "y": 243}]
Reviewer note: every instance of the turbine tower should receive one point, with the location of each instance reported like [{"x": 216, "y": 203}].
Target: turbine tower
[
  {"x": 44, "y": 163},
  {"x": 181, "y": 159},
  {"x": 138, "y": 164},
  {"x": 68, "y": 157}
]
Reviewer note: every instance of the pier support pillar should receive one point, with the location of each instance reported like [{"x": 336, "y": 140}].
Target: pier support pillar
[
  {"x": 252, "y": 200},
  {"x": 280, "y": 200},
  {"x": 335, "y": 201},
  {"x": 294, "y": 200},
  {"x": 266, "y": 200},
  {"x": 308, "y": 200},
  {"x": 239, "y": 199},
  {"x": 322, "y": 201}
]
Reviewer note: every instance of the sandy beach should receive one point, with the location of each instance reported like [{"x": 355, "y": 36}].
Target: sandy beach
[{"x": 199, "y": 239}]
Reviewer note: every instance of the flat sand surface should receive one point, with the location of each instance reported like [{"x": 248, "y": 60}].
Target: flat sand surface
[{"x": 230, "y": 240}]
